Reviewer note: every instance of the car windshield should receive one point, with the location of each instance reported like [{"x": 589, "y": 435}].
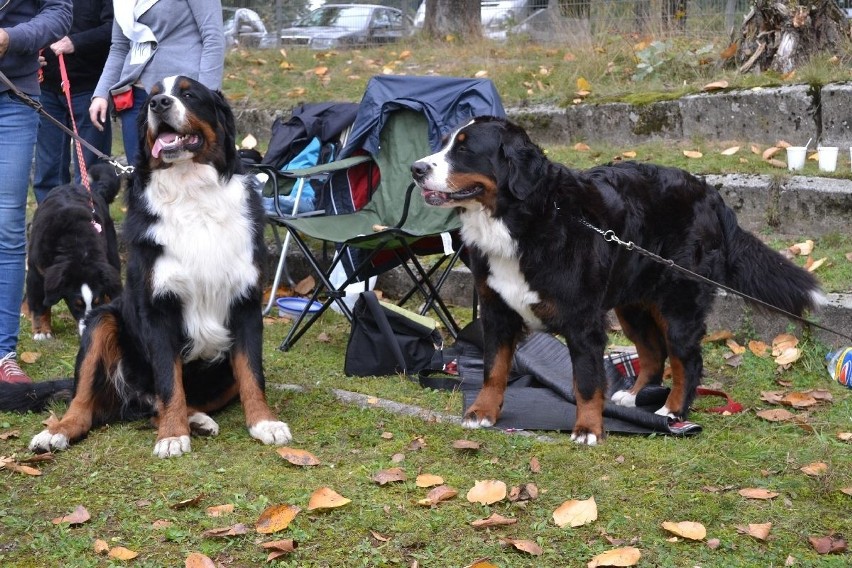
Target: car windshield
[{"x": 354, "y": 17}]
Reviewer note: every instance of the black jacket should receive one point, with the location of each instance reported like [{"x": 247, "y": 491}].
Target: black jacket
[{"x": 91, "y": 30}]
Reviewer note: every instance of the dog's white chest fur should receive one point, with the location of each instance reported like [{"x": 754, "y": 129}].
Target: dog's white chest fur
[
  {"x": 492, "y": 237},
  {"x": 206, "y": 234}
]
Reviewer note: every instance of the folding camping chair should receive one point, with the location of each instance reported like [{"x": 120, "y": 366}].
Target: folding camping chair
[
  {"x": 298, "y": 148},
  {"x": 400, "y": 120}
]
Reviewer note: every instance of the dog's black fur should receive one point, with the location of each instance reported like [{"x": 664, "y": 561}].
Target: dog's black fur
[
  {"x": 72, "y": 251},
  {"x": 537, "y": 264},
  {"x": 185, "y": 336}
]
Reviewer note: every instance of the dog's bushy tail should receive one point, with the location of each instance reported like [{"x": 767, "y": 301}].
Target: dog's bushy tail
[
  {"x": 758, "y": 271},
  {"x": 105, "y": 181},
  {"x": 26, "y": 397}
]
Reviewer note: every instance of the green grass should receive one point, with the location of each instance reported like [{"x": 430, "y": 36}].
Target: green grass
[{"x": 638, "y": 481}]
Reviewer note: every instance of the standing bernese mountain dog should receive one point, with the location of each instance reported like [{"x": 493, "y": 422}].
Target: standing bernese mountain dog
[
  {"x": 537, "y": 263},
  {"x": 184, "y": 337}
]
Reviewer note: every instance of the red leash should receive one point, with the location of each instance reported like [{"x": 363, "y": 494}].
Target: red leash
[{"x": 84, "y": 174}]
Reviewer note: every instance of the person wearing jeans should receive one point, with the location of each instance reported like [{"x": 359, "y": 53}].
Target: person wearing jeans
[
  {"x": 85, "y": 51},
  {"x": 25, "y": 27}
]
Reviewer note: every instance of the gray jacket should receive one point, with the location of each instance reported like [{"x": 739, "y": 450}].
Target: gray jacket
[{"x": 190, "y": 41}]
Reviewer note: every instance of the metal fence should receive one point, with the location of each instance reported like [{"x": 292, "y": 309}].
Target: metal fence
[{"x": 548, "y": 21}]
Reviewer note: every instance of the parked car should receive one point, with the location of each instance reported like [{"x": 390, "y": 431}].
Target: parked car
[
  {"x": 346, "y": 25},
  {"x": 496, "y": 16},
  {"x": 245, "y": 28}
]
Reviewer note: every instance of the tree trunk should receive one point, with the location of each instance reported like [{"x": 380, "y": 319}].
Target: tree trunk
[
  {"x": 780, "y": 35},
  {"x": 458, "y": 18}
]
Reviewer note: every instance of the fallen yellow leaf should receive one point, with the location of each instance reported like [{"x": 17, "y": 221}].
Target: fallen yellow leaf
[
  {"x": 815, "y": 469},
  {"x": 428, "y": 480},
  {"x": 121, "y": 553},
  {"x": 583, "y": 84},
  {"x": 298, "y": 457},
  {"x": 198, "y": 560},
  {"x": 730, "y": 151},
  {"x": 487, "y": 491},
  {"x": 758, "y": 493},
  {"x": 326, "y": 498},
  {"x": 626, "y": 556},
  {"x": 576, "y": 513},
  {"x": 276, "y": 518},
  {"x": 693, "y": 154},
  {"x": 686, "y": 529}
]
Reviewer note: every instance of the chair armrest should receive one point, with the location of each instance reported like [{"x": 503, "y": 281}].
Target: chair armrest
[{"x": 328, "y": 168}]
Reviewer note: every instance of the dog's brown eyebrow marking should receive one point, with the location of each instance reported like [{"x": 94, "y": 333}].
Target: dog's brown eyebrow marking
[{"x": 461, "y": 137}]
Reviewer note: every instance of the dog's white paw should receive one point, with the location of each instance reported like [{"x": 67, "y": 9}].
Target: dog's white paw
[
  {"x": 44, "y": 441},
  {"x": 587, "y": 439},
  {"x": 271, "y": 432},
  {"x": 473, "y": 423},
  {"x": 664, "y": 411},
  {"x": 42, "y": 336},
  {"x": 202, "y": 425},
  {"x": 172, "y": 447},
  {"x": 624, "y": 398}
]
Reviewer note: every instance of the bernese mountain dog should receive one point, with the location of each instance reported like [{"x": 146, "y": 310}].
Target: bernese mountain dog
[
  {"x": 72, "y": 250},
  {"x": 184, "y": 338},
  {"x": 538, "y": 265}
]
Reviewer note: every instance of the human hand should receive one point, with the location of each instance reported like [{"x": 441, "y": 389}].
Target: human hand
[
  {"x": 98, "y": 112},
  {"x": 4, "y": 42},
  {"x": 64, "y": 45}
]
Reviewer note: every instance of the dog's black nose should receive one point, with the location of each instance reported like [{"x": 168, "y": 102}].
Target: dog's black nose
[
  {"x": 160, "y": 103},
  {"x": 420, "y": 170}
]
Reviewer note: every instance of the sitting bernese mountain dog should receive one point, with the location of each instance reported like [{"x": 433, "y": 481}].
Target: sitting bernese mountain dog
[
  {"x": 184, "y": 337},
  {"x": 538, "y": 264},
  {"x": 72, "y": 250}
]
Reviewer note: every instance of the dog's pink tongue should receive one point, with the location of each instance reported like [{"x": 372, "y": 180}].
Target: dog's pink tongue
[{"x": 161, "y": 141}]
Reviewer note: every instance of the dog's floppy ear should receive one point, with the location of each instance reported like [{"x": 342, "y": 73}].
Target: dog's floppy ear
[
  {"x": 54, "y": 282},
  {"x": 225, "y": 117},
  {"x": 522, "y": 160}
]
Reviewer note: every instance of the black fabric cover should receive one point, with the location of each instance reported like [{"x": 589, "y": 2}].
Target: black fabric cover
[
  {"x": 308, "y": 121},
  {"x": 540, "y": 395},
  {"x": 387, "y": 340}
]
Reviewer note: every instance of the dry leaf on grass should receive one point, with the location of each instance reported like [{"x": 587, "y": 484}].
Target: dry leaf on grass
[
  {"x": 730, "y": 151},
  {"x": 525, "y": 492},
  {"x": 686, "y": 529},
  {"x": 11, "y": 465},
  {"x": 100, "y": 546},
  {"x": 580, "y": 147},
  {"x": 718, "y": 336},
  {"x": 494, "y": 520},
  {"x": 625, "y": 556},
  {"x": 305, "y": 286},
  {"x": 428, "y": 480},
  {"x": 79, "y": 516},
  {"x": 528, "y": 546},
  {"x": 29, "y": 357},
  {"x": 466, "y": 445},
  {"x": 782, "y": 342},
  {"x": 389, "y": 476},
  {"x": 735, "y": 347},
  {"x": 788, "y": 356},
  {"x": 481, "y": 563},
  {"x": 437, "y": 495},
  {"x": 694, "y": 154},
  {"x": 278, "y": 548},
  {"x": 487, "y": 491},
  {"x": 220, "y": 510},
  {"x": 759, "y": 348},
  {"x": 802, "y": 249},
  {"x": 9, "y": 434},
  {"x": 715, "y": 86},
  {"x": 326, "y": 498},
  {"x": 535, "y": 466},
  {"x": 187, "y": 502},
  {"x": 844, "y": 436},
  {"x": 276, "y": 518},
  {"x": 815, "y": 469},
  {"x": 798, "y": 400},
  {"x": 847, "y": 490},
  {"x": 121, "y": 553},
  {"x": 198, "y": 560},
  {"x": 831, "y": 544},
  {"x": 298, "y": 457},
  {"x": 379, "y": 536},
  {"x": 221, "y": 532},
  {"x": 760, "y": 531},
  {"x": 813, "y": 266},
  {"x": 576, "y": 513},
  {"x": 776, "y": 415},
  {"x": 757, "y": 493}
]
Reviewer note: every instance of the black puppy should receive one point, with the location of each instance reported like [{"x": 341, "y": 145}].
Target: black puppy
[{"x": 72, "y": 253}]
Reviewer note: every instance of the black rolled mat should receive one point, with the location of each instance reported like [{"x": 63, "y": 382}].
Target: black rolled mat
[{"x": 540, "y": 395}]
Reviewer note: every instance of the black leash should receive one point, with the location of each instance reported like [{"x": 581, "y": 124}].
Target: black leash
[
  {"x": 125, "y": 170},
  {"x": 611, "y": 237}
]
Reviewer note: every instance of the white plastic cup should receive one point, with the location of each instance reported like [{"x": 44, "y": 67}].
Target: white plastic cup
[
  {"x": 827, "y": 158},
  {"x": 796, "y": 157}
]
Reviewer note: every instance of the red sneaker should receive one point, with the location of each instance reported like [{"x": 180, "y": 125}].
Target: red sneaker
[{"x": 10, "y": 372}]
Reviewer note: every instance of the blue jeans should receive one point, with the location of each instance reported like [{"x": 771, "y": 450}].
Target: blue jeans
[
  {"x": 128, "y": 125},
  {"x": 18, "y": 128},
  {"x": 54, "y": 147}
]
